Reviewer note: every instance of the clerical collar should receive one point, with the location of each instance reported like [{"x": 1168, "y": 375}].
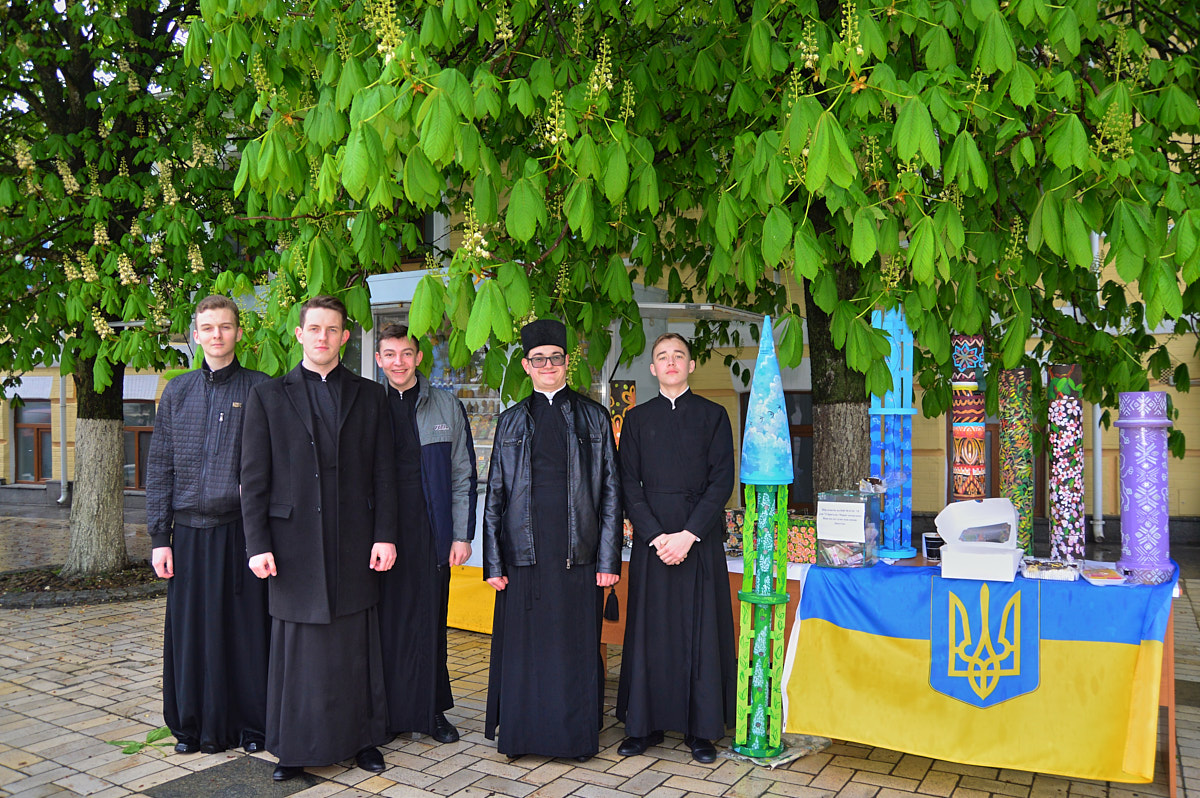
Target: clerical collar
[
  {"x": 550, "y": 396},
  {"x": 333, "y": 376},
  {"x": 677, "y": 398}
]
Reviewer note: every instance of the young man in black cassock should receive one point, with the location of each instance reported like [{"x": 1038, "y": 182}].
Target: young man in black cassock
[
  {"x": 217, "y": 629},
  {"x": 319, "y": 503},
  {"x": 437, "y": 485},
  {"x": 551, "y": 544},
  {"x": 678, "y": 664}
]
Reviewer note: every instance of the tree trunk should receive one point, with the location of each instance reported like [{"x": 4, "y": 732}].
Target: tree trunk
[
  {"x": 841, "y": 425},
  {"x": 98, "y": 500}
]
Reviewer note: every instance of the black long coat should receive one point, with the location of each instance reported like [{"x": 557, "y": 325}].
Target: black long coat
[{"x": 281, "y": 495}]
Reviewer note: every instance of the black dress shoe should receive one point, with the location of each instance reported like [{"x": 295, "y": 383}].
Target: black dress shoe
[
  {"x": 583, "y": 758},
  {"x": 635, "y": 746},
  {"x": 443, "y": 730},
  {"x": 186, "y": 748},
  {"x": 371, "y": 760},
  {"x": 702, "y": 750},
  {"x": 253, "y": 747},
  {"x": 285, "y": 772}
]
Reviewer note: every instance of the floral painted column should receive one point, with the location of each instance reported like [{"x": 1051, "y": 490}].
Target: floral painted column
[
  {"x": 1016, "y": 450},
  {"x": 766, "y": 471},
  {"x": 967, "y": 419},
  {"x": 1066, "y": 464},
  {"x": 1145, "y": 545}
]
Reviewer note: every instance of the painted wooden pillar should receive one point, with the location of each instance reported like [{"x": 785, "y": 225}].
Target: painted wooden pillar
[
  {"x": 1016, "y": 449},
  {"x": 891, "y": 438},
  {"x": 1145, "y": 544},
  {"x": 766, "y": 471},
  {"x": 1066, "y": 464},
  {"x": 967, "y": 418}
]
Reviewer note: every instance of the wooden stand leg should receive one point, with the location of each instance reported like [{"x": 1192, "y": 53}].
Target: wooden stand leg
[{"x": 1166, "y": 698}]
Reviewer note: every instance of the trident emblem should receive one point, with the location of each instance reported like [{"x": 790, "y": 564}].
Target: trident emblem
[{"x": 978, "y": 659}]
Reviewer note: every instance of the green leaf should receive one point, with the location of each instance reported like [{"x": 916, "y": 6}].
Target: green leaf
[
  {"x": 914, "y": 131},
  {"x": 580, "y": 212},
  {"x": 479, "y": 328},
  {"x": 996, "y": 50},
  {"x": 808, "y": 253},
  {"x": 502, "y": 323},
  {"x": 616, "y": 173},
  {"x": 352, "y": 79},
  {"x": 1129, "y": 263},
  {"x": 726, "y": 223},
  {"x": 437, "y": 127},
  {"x": 526, "y": 209},
  {"x": 776, "y": 235},
  {"x": 1064, "y": 29},
  {"x": 616, "y": 282},
  {"x": 587, "y": 158},
  {"x": 1045, "y": 226},
  {"x": 356, "y": 163},
  {"x": 920, "y": 251},
  {"x": 1013, "y": 346},
  {"x": 485, "y": 198},
  {"x": 515, "y": 285},
  {"x": 1021, "y": 88},
  {"x": 1067, "y": 143},
  {"x": 161, "y": 733},
  {"x": 1076, "y": 237},
  {"x": 862, "y": 243},
  {"x": 428, "y": 305}
]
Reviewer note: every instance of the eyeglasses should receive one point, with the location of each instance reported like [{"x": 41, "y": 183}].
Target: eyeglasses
[{"x": 537, "y": 361}]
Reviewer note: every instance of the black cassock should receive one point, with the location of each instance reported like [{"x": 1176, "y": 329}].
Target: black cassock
[
  {"x": 216, "y": 640},
  {"x": 413, "y": 593},
  {"x": 678, "y": 664},
  {"x": 325, "y": 692},
  {"x": 546, "y": 686}
]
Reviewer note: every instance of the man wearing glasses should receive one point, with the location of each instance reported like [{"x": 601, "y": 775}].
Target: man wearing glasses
[{"x": 551, "y": 544}]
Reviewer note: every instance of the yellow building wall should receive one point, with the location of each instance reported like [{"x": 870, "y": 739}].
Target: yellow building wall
[{"x": 7, "y": 442}]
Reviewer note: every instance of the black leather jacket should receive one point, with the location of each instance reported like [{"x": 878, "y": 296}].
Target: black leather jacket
[{"x": 593, "y": 501}]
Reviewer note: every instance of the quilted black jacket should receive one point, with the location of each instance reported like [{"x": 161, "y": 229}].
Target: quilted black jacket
[{"x": 196, "y": 450}]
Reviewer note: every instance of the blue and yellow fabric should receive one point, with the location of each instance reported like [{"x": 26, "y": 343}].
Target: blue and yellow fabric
[{"x": 1047, "y": 676}]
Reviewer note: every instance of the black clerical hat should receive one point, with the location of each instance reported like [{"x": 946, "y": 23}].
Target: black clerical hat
[{"x": 544, "y": 332}]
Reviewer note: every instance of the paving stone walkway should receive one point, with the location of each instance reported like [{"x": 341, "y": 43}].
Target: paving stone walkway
[{"x": 74, "y": 679}]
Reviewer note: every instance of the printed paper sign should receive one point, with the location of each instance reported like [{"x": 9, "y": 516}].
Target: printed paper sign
[{"x": 842, "y": 521}]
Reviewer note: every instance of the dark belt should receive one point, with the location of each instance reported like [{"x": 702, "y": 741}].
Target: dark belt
[{"x": 206, "y": 520}]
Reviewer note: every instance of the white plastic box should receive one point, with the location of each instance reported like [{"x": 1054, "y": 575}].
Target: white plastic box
[{"x": 981, "y": 540}]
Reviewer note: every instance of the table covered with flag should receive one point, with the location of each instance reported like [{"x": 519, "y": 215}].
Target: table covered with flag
[{"x": 1039, "y": 675}]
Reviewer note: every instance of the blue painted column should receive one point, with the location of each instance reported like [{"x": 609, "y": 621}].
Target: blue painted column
[{"x": 891, "y": 438}]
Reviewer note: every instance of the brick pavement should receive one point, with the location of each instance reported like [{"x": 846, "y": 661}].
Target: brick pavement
[{"x": 72, "y": 679}]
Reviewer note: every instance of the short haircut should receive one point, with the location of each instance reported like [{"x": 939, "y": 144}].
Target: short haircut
[
  {"x": 219, "y": 302},
  {"x": 393, "y": 330},
  {"x": 324, "y": 303},
  {"x": 670, "y": 336}
]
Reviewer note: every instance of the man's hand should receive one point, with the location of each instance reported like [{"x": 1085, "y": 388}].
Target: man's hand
[
  {"x": 383, "y": 556},
  {"x": 673, "y": 549},
  {"x": 263, "y": 565},
  {"x": 607, "y": 580},
  {"x": 163, "y": 560},
  {"x": 498, "y": 582},
  {"x": 460, "y": 552}
]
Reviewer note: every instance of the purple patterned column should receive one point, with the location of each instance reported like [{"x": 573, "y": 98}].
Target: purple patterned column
[
  {"x": 1145, "y": 547},
  {"x": 1066, "y": 464}
]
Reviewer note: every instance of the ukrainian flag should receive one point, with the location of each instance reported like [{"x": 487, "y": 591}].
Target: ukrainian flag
[{"x": 1047, "y": 676}]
